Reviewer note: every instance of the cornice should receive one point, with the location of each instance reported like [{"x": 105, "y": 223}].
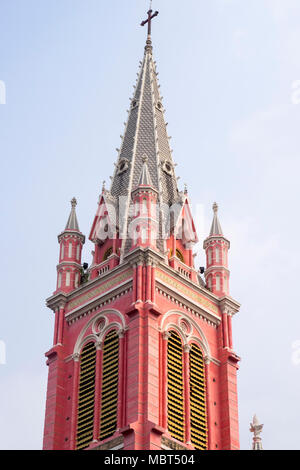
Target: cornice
[
  {"x": 229, "y": 305},
  {"x": 71, "y": 234},
  {"x": 189, "y": 283},
  {"x": 102, "y": 300},
  {"x": 213, "y": 238},
  {"x": 57, "y": 300},
  {"x": 216, "y": 267},
  {"x": 187, "y": 304}
]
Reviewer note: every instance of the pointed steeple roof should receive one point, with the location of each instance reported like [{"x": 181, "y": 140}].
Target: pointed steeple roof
[
  {"x": 146, "y": 133},
  {"x": 72, "y": 223},
  {"x": 216, "y": 226}
]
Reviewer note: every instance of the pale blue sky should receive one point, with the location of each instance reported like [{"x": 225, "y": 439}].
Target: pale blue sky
[{"x": 226, "y": 69}]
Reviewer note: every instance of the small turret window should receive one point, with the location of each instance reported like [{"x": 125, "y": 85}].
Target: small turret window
[
  {"x": 78, "y": 252},
  {"x": 68, "y": 278},
  {"x": 217, "y": 254},
  {"x": 144, "y": 207},
  {"x": 59, "y": 280},
  {"x": 62, "y": 252},
  {"x": 218, "y": 282},
  {"x": 209, "y": 256},
  {"x": 70, "y": 250}
]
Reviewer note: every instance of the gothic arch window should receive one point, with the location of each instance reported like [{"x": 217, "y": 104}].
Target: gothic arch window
[
  {"x": 179, "y": 255},
  {"x": 144, "y": 206},
  {"x": 109, "y": 393},
  {"x": 59, "y": 280},
  {"x": 197, "y": 398},
  {"x": 209, "y": 256},
  {"x": 218, "y": 282},
  {"x": 175, "y": 387},
  {"x": 217, "y": 254},
  {"x": 86, "y": 396},
  {"x": 62, "y": 252},
  {"x": 107, "y": 254},
  {"x": 70, "y": 249}
]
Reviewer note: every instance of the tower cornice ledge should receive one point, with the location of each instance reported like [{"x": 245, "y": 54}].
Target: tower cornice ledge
[
  {"x": 213, "y": 238},
  {"x": 229, "y": 305},
  {"x": 102, "y": 300},
  {"x": 58, "y": 300},
  {"x": 205, "y": 292},
  {"x": 71, "y": 233}
]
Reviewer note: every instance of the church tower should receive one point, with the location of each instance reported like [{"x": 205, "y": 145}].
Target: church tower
[{"x": 143, "y": 356}]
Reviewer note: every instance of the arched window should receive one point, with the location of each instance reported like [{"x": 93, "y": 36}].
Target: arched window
[
  {"x": 197, "y": 399},
  {"x": 217, "y": 254},
  {"x": 180, "y": 255},
  {"x": 70, "y": 249},
  {"x": 59, "y": 280},
  {"x": 175, "y": 387},
  {"x": 85, "y": 413},
  {"x": 109, "y": 394},
  {"x": 78, "y": 252},
  {"x": 218, "y": 282},
  {"x": 62, "y": 251},
  {"x": 209, "y": 256},
  {"x": 144, "y": 235},
  {"x": 144, "y": 207},
  {"x": 107, "y": 254}
]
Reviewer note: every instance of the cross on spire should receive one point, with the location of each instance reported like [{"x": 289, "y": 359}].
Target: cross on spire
[{"x": 149, "y": 20}]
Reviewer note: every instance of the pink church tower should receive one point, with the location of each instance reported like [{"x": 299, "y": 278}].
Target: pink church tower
[{"x": 142, "y": 357}]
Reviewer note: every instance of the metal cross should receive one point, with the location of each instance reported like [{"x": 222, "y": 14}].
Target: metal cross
[{"x": 150, "y": 18}]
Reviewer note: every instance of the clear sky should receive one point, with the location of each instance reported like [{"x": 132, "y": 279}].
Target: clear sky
[{"x": 226, "y": 68}]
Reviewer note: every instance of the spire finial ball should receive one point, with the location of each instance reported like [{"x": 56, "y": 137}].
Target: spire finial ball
[
  {"x": 215, "y": 207},
  {"x": 74, "y": 202}
]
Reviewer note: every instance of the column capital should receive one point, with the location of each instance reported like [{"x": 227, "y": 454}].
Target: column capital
[
  {"x": 207, "y": 360},
  {"x": 76, "y": 357},
  {"x": 187, "y": 348},
  {"x": 121, "y": 333},
  {"x": 166, "y": 335},
  {"x": 99, "y": 345}
]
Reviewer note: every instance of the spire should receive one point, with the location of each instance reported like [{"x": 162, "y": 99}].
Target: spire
[
  {"x": 256, "y": 429},
  {"x": 145, "y": 134},
  {"x": 72, "y": 223},
  {"x": 216, "y": 226},
  {"x": 145, "y": 178}
]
